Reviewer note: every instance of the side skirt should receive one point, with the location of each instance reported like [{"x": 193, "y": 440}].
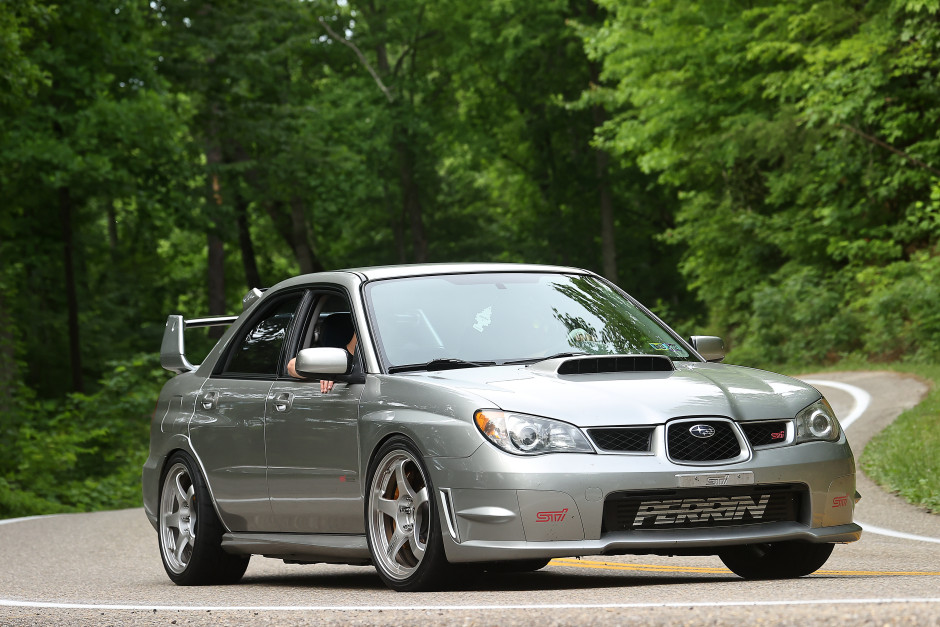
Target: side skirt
[{"x": 299, "y": 547}]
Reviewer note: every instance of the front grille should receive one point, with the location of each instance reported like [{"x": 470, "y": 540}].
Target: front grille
[
  {"x": 682, "y": 446},
  {"x": 765, "y": 433},
  {"x": 694, "y": 508},
  {"x": 623, "y": 439}
]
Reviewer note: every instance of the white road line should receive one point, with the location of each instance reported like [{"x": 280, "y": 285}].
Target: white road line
[
  {"x": 881, "y": 531},
  {"x": 862, "y": 401},
  {"x": 451, "y": 608},
  {"x": 7, "y": 521}
]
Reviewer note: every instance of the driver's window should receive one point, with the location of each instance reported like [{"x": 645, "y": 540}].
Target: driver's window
[{"x": 330, "y": 325}]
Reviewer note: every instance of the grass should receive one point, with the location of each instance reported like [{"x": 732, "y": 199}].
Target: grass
[{"x": 905, "y": 457}]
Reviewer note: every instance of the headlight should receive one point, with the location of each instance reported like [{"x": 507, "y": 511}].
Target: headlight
[
  {"x": 817, "y": 422},
  {"x": 522, "y": 434}
]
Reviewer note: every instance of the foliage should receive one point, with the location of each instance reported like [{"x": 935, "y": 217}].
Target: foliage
[
  {"x": 905, "y": 457},
  {"x": 799, "y": 138},
  {"x": 765, "y": 171},
  {"x": 81, "y": 453}
]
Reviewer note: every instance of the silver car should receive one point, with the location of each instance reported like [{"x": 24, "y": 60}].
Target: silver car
[{"x": 482, "y": 416}]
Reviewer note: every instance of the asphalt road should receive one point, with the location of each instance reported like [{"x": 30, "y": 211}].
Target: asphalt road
[{"x": 104, "y": 569}]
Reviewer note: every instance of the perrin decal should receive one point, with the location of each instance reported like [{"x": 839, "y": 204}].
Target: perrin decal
[
  {"x": 840, "y": 501},
  {"x": 679, "y": 511},
  {"x": 551, "y": 516}
]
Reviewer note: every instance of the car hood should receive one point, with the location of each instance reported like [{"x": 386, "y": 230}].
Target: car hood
[{"x": 628, "y": 398}]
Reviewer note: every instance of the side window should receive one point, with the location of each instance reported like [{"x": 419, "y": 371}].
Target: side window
[
  {"x": 330, "y": 324},
  {"x": 334, "y": 327},
  {"x": 260, "y": 348}
]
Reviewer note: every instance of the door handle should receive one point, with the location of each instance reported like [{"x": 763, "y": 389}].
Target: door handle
[
  {"x": 208, "y": 401},
  {"x": 283, "y": 401}
]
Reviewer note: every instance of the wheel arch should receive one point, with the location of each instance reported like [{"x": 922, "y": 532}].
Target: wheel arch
[{"x": 184, "y": 445}]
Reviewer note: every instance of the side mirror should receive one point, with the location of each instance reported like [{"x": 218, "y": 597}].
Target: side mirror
[
  {"x": 708, "y": 346},
  {"x": 316, "y": 362}
]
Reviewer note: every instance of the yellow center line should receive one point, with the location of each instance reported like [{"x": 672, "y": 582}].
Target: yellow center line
[{"x": 655, "y": 568}]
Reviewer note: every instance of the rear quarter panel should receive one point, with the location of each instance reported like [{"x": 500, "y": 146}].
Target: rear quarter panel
[{"x": 169, "y": 431}]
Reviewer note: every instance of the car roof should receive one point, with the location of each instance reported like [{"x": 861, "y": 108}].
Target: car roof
[
  {"x": 376, "y": 273},
  {"x": 351, "y": 277}
]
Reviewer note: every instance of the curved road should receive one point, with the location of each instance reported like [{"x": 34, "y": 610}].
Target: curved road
[{"x": 103, "y": 568}]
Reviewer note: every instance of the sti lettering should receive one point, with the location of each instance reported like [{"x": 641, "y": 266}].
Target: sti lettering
[{"x": 551, "y": 516}]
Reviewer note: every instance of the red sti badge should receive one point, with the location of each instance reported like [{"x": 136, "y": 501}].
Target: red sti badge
[{"x": 551, "y": 516}]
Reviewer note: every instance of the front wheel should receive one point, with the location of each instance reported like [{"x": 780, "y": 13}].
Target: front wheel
[
  {"x": 778, "y": 560},
  {"x": 190, "y": 532},
  {"x": 404, "y": 532}
]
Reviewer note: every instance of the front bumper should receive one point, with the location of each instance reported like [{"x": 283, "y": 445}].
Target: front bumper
[{"x": 496, "y": 506}]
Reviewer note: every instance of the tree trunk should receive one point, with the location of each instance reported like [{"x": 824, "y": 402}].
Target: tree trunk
[
  {"x": 112, "y": 230},
  {"x": 411, "y": 202},
  {"x": 249, "y": 262},
  {"x": 8, "y": 371},
  {"x": 608, "y": 243},
  {"x": 216, "y": 254},
  {"x": 601, "y": 161},
  {"x": 216, "y": 275},
  {"x": 300, "y": 234},
  {"x": 71, "y": 295},
  {"x": 395, "y": 218},
  {"x": 410, "y": 193}
]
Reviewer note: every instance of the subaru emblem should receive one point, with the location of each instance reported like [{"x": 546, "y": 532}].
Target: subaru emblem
[{"x": 702, "y": 431}]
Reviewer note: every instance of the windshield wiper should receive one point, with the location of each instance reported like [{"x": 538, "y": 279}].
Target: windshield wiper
[
  {"x": 535, "y": 360},
  {"x": 441, "y": 364}
]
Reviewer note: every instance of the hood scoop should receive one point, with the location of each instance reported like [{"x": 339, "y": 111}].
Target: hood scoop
[{"x": 603, "y": 364}]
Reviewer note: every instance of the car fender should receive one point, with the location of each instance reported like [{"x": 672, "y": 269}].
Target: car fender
[{"x": 437, "y": 419}]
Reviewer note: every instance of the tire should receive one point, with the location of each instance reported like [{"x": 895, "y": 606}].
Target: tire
[
  {"x": 403, "y": 526},
  {"x": 779, "y": 560},
  {"x": 190, "y": 533}
]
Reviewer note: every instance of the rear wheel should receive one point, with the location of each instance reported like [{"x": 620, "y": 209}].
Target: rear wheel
[
  {"x": 404, "y": 531},
  {"x": 778, "y": 560},
  {"x": 190, "y": 532}
]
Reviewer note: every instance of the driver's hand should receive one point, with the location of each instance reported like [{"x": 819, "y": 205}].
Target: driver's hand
[{"x": 325, "y": 386}]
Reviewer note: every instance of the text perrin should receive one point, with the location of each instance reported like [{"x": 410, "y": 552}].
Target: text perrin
[{"x": 678, "y": 511}]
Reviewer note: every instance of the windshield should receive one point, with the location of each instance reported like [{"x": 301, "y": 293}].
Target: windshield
[{"x": 509, "y": 317}]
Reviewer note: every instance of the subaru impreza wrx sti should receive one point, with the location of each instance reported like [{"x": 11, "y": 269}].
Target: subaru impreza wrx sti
[{"x": 488, "y": 416}]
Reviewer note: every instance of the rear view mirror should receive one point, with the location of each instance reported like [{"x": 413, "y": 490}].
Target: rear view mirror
[
  {"x": 708, "y": 346},
  {"x": 316, "y": 362}
]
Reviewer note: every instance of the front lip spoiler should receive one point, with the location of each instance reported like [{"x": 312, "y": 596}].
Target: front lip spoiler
[{"x": 666, "y": 541}]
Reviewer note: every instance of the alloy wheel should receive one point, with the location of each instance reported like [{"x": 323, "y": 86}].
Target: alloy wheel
[
  {"x": 177, "y": 518},
  {"x": 399, "y": 517}
]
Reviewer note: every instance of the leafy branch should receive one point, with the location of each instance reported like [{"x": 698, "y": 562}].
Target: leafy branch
[{"x": 362, "y": 58}]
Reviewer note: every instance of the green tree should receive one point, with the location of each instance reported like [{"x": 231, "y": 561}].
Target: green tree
[
  {"x": 84, "y": 139},
  {"x": 798, "y": 138}
]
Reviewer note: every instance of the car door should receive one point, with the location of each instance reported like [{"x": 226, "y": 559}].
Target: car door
[
  {"x": 313, "y": 445},
  {"x": 227, "y": 430}
]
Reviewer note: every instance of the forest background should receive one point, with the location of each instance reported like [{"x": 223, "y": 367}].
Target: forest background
[{"x": 766, "y": 171}]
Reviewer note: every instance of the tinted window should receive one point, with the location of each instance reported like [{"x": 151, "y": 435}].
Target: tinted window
[{"x": 259, "y": 350}]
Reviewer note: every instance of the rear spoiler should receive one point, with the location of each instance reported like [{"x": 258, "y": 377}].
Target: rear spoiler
[{"x": 173, "y": 350}]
